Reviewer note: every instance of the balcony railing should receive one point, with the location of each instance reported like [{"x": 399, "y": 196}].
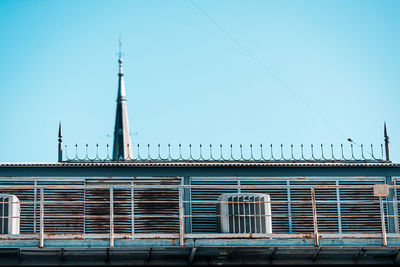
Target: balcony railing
[{"x": 110, "y": 213}]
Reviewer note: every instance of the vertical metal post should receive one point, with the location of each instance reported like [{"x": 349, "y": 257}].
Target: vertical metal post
[
  {"x": 3, "y": 215},
  {"x": 390, "y": 207},
  {"x": 248, "y": 217},
  {"x": 111, "y": 217},
  {"x": 314, "y": 210},
  {"x": 188, "y": 205},
  {"x": 34, "y": 206},
  {"x": 84, "y": 207},
  {"x": 181, "y": 215},
  {"x": 383, "y": 221},
  {"x": 395, "y": 208},
  {"x": 339, "y": 208},
  {"x": 288, "y": 193},
  {"x": 133, "y": 210},
  {"x": 41, "y": 234}
]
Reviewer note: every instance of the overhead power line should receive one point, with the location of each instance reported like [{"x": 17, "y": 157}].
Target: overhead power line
[{"x": 268, "y": 70}]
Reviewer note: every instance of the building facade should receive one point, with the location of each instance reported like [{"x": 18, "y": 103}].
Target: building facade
[{"x": 210, "y": 207}]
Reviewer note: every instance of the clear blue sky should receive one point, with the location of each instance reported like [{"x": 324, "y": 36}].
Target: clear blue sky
[{"x": 187, "y": 82}]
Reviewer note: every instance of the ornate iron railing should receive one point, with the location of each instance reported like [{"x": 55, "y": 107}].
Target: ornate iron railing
[{"x": 230, "y": 153}]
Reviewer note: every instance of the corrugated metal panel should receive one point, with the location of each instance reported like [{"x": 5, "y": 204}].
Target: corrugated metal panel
[
  {"x": 203, "y": 206},
  {"x": 280, "y": 219},
  {"x": 4, "y": 210},
  {"x": 97, "y": 207},
  {"x": 97, "y": 210},
  {"x": 63, "y": 208},
  {"x": 294, "y": 214},
  {"x": 327, "y": 210},
  {"x": 302, "y": 216},
  {"x": 301, "y": 209},
  {"x": 326, "y": 207},
  {"x": 397, "y": 198},
  {"x": 156, "y": 210},
  {"x": 360, "y": 209},
  {"x": 166, "y": 208}
]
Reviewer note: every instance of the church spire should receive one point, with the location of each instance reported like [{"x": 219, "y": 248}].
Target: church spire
[{"x": 122, "y": 149}]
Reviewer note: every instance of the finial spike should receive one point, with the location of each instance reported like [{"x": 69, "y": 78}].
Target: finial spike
[
  {"x": 385, "y": 130},
  {"x": 386, "y": 138},
  {"x": 59, "y": 143},
  {"x": 59, "y": 130}
]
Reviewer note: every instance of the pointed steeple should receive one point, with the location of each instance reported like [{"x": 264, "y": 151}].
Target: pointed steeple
[
  {"x": 122, "y": 149},
  {"x": 387, "y": 152}
]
